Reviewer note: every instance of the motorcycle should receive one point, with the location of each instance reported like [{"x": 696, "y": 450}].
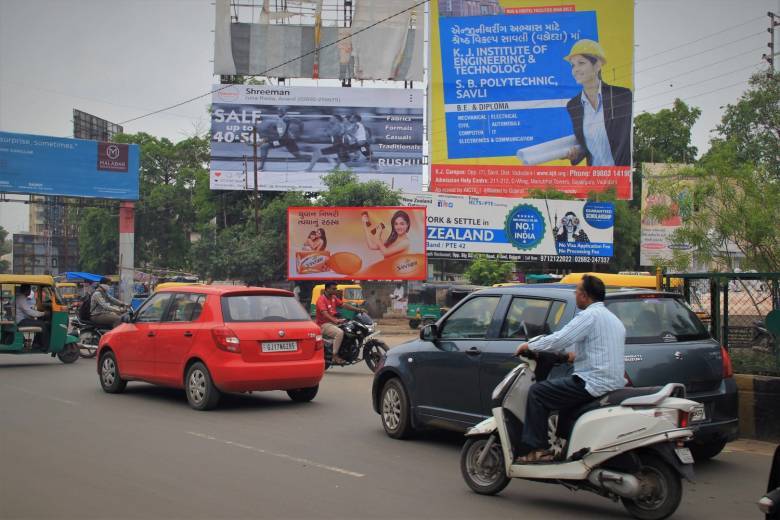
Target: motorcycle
[
  {"x": 628, "y": 445},
  {"x": 89, "y": 335},
  {"x": 360, "y": 343}
]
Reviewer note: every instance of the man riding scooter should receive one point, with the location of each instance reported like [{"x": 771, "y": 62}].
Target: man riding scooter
[
  {"x": 105, "y": 310},
  {"x": 598, "y": 337}
]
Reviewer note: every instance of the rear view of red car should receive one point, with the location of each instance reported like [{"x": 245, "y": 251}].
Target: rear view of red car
[{"x": 214, "y": 339}]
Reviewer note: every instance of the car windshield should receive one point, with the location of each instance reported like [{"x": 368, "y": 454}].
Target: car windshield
[
  {"x": 262, "y": 307},
  {"x": 653, "y": 318}
]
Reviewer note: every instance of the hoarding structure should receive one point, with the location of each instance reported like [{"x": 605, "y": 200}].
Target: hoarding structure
[
  {"x": 656, "y": 244},
  {"x": 365, "y": 243},
  {"x": 558, "y": 231},
  {"x": 46, "y": 165},
  {"x": 390, "y": 47},
  {"x": 510, "y": 109},
  {"x": 87, "y": 126},
  {"x": 304, "y": 132}
]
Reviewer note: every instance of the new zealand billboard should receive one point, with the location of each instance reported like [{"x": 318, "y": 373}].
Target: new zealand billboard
[
  {"x": 46, "y": 165},
  {"x": 305, "y": 132},
  {"x": 531, "y": 96},
  {"x": 365, "y": 243},
  {"x": 517, "y": 229}
]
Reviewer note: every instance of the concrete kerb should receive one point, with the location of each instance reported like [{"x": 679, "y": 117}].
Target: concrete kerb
[{"x": 759, "y": 406}]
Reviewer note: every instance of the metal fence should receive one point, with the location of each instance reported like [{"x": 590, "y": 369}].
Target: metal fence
[{"x": 735, "y": 306}]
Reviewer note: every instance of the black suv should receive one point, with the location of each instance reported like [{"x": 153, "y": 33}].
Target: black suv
[{"x": 445, "y": 378}]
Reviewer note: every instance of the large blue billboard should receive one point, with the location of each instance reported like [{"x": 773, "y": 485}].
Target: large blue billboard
[{"x": 46, "y": 165}]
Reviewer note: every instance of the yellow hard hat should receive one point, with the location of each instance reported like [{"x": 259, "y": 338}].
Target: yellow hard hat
[{"x": 590, "y": 47}]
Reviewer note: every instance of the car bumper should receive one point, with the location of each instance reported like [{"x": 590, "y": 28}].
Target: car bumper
[
  {"x": 722, "y": 409},
  {"x": 239, "y": 376}
]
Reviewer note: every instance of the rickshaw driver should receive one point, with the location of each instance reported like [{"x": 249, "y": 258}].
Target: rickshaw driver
[{"x": 27, "y": 315}]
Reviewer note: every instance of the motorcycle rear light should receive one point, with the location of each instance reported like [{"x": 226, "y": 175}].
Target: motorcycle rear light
[
  {"x": 226, "y": 339},
  {"x": 728, "y": 368},
  {"x": 682, "y": 419}
]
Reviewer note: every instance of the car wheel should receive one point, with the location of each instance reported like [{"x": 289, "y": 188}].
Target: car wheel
[
  {"x": 88, "y": 344},
  {"x": 394, "y": 410},
  {"x": 69, "y": 353},
  {"x": 661, "y": 490},
  {"x": 413, "y": 324},
  {"x": 201, "y": 392},
  {"x": 707, "y": 450},
  {"x": 488, "y": 478},
  {"x": 303, "y": 395},
  {"x": 374, "y": 353},
  {"x": 110, "y": 380}
]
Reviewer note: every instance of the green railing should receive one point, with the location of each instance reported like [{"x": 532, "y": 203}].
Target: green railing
[{"x": 736, "y": 306}]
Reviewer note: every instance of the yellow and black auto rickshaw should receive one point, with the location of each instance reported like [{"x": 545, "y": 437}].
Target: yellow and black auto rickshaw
[{"x": 15, "y": 339}]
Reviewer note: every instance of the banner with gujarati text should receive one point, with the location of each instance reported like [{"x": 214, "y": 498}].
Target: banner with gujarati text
[{"x": 526, "y": 95}]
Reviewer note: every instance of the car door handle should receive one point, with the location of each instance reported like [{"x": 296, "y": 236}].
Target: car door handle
[
  {"x": 473, "y": 351},
  {"x": 188, "y": 334},
  {"x": 151, "y": 333}
]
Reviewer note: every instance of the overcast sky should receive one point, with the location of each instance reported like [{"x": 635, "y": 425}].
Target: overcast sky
[{"x": 121, "y": 59}]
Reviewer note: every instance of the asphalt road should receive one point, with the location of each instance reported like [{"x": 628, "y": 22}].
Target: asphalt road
[{"x": 68, "y": 450}]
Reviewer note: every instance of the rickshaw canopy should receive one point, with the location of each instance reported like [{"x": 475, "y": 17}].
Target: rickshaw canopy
[
  {"x": 78, "y": 276},
  {"x": 30, "y": 279}
]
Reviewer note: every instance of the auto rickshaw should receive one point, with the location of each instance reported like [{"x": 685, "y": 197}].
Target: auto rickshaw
[
  {"x": 350, "y": 293},
  {"x": 430, "y": 301},
  {"x": 22, "y": 340}
]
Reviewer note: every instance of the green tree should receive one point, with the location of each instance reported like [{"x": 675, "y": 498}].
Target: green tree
[
  {"x": 345, "y": 190},
  {"x": 5, "y": 248},
  {"x": 483, "y": 271},
  {"x": 665, "y": 136},
  {"x": 626, "y": 232},
  {"x": 99, "y": 240},
  {"x": 730, "y": 198}
]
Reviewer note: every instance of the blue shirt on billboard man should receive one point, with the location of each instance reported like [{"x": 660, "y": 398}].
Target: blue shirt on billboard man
[{"x": 600, "y": 114}]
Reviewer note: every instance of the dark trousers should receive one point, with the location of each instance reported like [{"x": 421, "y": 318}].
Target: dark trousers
[
  {"x": 41, "y": 339},
  {"x": 562, "y": 393}
]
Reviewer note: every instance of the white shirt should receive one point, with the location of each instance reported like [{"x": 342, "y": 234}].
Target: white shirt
[
  {"x": 25, "y": 310},
  {"x": 599, "y": 340},
  {"x": 595, "y": 132}
]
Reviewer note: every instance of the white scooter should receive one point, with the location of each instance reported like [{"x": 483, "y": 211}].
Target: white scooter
[{"x": 627, "y": 445}]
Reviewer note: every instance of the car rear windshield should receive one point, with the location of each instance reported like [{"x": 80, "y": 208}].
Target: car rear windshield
[
  {"x": 656, "y": 318},
  {"x": 262, "y": 307}
]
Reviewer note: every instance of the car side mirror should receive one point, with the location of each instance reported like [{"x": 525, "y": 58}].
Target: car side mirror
[{"x": 429, "y": 332}]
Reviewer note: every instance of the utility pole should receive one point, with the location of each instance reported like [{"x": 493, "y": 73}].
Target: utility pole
[
  {"x": 774, "y": 21},
  {"x": 254, "y": 157}
]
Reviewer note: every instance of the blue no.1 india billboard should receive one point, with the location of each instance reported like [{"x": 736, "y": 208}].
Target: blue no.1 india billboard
[{"x": 46, "y": 165}]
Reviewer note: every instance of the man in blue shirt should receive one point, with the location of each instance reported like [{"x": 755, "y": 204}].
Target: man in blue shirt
[{"x": 598, "y": 337}]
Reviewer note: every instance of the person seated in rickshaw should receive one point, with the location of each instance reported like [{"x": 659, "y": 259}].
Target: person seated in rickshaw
[{"x": 27, "y": 315}]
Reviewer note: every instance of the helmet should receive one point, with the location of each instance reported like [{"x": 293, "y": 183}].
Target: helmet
[{"x": 589, "y": 47}]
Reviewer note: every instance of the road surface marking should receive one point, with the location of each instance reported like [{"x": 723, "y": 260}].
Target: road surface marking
[
  {"x": 306, "y": 462},
  {"x": 63, "y": 401}
]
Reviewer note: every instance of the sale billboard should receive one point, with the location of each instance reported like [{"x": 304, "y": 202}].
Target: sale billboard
[
  {"x": 356, "y": 243},
  {"x": 304, "y": 132},
  {"x": 46, "y": 165},
  {"x": 561, "y": 231},
  {"x": 532, "y": 96}
]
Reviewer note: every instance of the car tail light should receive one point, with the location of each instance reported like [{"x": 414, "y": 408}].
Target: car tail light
[
  {"x": 728, "y": 368},
  {"x": 319, "y": 344},
  {"x": 226, "y": 339},
  {"x": 682, "y": 419}
]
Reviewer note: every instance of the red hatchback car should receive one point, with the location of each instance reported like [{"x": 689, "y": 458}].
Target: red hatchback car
[{"x": 213, "y": 339}]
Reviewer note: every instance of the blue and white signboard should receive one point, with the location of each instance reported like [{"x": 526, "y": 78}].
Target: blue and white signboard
[
  {"x": 460, "y": 226},
  {"x": 45, "y": 165}
]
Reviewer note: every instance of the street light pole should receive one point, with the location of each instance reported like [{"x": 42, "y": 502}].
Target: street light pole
[{"x": 254, "y": 157}]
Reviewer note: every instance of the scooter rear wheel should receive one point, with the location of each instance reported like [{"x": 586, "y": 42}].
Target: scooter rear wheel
[
  {"x": 490, "y": 477},
  {"x": 662, "y": 490}
]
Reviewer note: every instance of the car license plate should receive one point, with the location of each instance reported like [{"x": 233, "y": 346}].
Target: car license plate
[
  {"x": 280, "y": 346},
  {"x": 698, "y": 414},
  {"x": 685, "y": 455}
]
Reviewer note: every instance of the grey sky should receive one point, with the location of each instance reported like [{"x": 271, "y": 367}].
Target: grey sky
[{"x": 121, "y": 59}]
